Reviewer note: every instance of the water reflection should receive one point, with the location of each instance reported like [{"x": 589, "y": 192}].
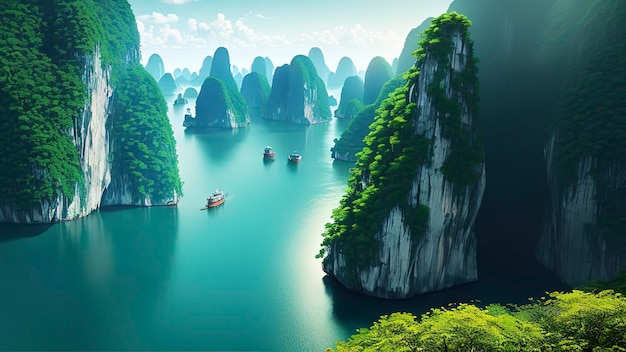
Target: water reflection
[
  {"x": 9, "y": 232},
  {"x": 93, "y": 283},
  {"x": 142, "y": 244},
  {"x": 219, "y": 144}
]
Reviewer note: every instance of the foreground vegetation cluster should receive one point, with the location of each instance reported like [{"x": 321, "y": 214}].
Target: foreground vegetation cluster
[{"x": 574, "y": 321}]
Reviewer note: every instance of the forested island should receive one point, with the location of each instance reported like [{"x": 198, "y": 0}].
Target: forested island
[{"x": 73, "y": 93}]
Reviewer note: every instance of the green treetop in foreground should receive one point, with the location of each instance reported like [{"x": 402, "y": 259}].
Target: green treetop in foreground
[{"x": 574, "y": 321}]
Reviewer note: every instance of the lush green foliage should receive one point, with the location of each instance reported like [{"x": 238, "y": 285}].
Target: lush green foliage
[
  {"x": 393, "y": 152},
  {"x": 466, "y": 148},
  {"x": 351, "y": 140},
  {"x": 143, "y": 140},
  {"x": 36, "y": 112},
  {"x": 592, "y": 118},
  {"x": 382, "y": 175},
  {"x": 43, "y": 51},
  {"x": 574, "y": 321}
]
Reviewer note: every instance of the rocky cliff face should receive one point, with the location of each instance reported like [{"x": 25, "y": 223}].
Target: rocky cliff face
[
  {"x": 568, "y": 245},
  {"x": 409, "y": 258},
  {"x": 584, "y": 232},
  {"x": 91, "y": 139}
]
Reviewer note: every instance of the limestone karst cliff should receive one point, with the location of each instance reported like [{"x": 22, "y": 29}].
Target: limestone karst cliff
[
  {"x": 298, "y": 94},
  {"x": 317, "y": 58},
  {"x": 405, "y": 225},
  {"x": 584, "y": 234},
  {"x": 352, "y": 89},
  {"x": 64, "y": 166},
  {"x": 255, "y": 89},
  {"x": 217, "y": 105},
  {"x": 345, "y": 69},
  {"x": 219, "y": 102},
  {"x": 377, "y": 74}
]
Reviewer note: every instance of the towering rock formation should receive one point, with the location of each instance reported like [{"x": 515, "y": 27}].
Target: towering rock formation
[
  {"x": 378, "y": 72},
  {"x": 352, "y": 89},
  {"x": 259, "y": 66},
  {"x": 190, "y": 93},
  {"x": 220, "y": 68},
  {"x": 218, "y": 105},
  {"x": 255, "y": 90},
  {"x": 204, "y": 72},
  {"x": 317, "y": 58},
  {"x": 584, "y": 235},
  {"x": 405, "y": 226},
  {"x": 155, "y": 66},
  {"x": 345, "y": 69},
  {"x": 298, "y": 95},
  {"x": 81, "y": 85},
  {"x": 168, "y": 85},
  {"x": 270, "y": 69}
]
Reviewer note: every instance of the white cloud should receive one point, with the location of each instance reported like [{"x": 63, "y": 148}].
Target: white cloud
[
  {"x": 159, "y": 18},
  {"x": 177, "y": 2},
  {"x": 193, "y": 24},
  {"x": 169, "y": 34},
  {"x": 356, "y": 36}
]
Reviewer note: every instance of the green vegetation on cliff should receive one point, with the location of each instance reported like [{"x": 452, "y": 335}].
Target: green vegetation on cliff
[
  {"x": 36, "y": 112},
  {"x": 590, "y": 121},
  {"x": 466, "y": 148},
  {"x": 216, "y": 100},
  {"x": 573, "y": 321},
  {"x": 44, "y": 50},
  {"x": 351, "y": 140},
  {"x": 393, "y": 151},
  {"x": 142, "y": 137}
]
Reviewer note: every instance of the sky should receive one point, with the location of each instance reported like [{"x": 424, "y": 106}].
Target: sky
[{"x": 184, "y": 32}]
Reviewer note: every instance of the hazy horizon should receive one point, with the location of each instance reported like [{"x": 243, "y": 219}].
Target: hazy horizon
[{"x": 184, "y": 32}]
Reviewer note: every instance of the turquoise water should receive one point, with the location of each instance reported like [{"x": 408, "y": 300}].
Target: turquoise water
[{"x": 238, "y": 277}]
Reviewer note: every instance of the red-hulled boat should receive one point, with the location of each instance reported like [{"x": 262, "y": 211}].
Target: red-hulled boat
[{"x": 216, "y": 198}]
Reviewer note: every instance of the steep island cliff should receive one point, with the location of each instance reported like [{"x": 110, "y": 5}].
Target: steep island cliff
[
  {"x": 405, "y": 225},
  {"x": 584, "y": 234},
  {"x": 298, "y": 94},
  {"x": 219, "y": 103},
  {"x": 69, "y": 135}
]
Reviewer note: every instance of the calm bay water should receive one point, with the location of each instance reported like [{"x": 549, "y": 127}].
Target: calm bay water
[{"x": 238, "y": 277}]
